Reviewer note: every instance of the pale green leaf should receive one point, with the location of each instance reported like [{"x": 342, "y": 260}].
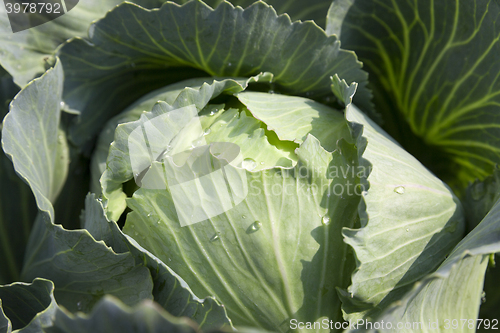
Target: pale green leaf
[
  {"x": 119, "y": 168},
  {"x": 410, "y": 221},
  {"x": 293, "y": 118},
  {"x": 454, "y": 291},
  {"x": 169, "y": 290},
  {"x": 268, "y": 258},
  {"x": 32, "y": 139}
]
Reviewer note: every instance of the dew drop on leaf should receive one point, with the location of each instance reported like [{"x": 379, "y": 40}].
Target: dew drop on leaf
[
  {"x": 206, "y": 132},
  {"x": 256, "y": 226},
  {"x": 325, "y": 220},
  {"x": 249, "y": 164},
  {"x": 214, "y": 238},
  {"x": 399, "y": 190}
]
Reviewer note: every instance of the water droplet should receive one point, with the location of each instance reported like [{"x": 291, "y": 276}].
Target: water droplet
[
  {"x": 271, "y": 91},
  {"x": 99, "y": 199},
  {"x": 62, "y": 105},
  {"x": 244, "y": 217},
  {"x": 169, "y": 259},
  {"x": 206, "y": 132},
  {"x": 213, "y": 112},
  {"x": 198, "y": 142},
  {"x": 483, "y": 297},
  {"x": 407, "y": 230},
  {"x": 158, "y": 222},
  {"x": 229, "y": 64},
  {"x": 214, "y": 238},
  {"x": 249, "y": 164},
  {"x": 149, "y": 215},
  {"x": 261, "y": 163},
  {"x": 478, "y": 191},
  {"x": 255, "y": 226},
  {"x": 79, "y": 306},
  {"x": 325, "y": 220},
  {"x": 399, "y": 190}
]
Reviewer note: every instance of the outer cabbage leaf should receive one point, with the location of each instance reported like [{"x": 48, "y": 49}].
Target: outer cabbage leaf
[
  {"x": 31, "y": 137},
  {"x": 479, "y": 200},
  {"x": 423, "y": 217},
  {"x": 169, "y": 289},
  {"x": 33, "y": 309},
  {"x": 22, "y": 303},
  {"x": 296, "y": 9},
  {"x": 158, "y": 47},
  {"x": 435, "y": 76},
  {"x": 82, "y": 269},
  {"x": 454, "y": 291},
  {"x": 24, "y": 54}
]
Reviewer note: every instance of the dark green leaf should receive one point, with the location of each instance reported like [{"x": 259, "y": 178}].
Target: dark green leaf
[
  {"x": 21, "y": 302},
  {"x": 24, "y": 54},
  {"x": 480, "y": 197},
  {"x": 434, "y": 71},
  {"x": 17, "y": 214},
  {"x": 82, "y": 269},
  {"x": 159, "y": 47}
]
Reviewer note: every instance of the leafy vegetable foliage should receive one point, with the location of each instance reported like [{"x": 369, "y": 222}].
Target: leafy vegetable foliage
[
  {"x": 180, "y": 42},
  {"x": 434, "y": 73}
]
